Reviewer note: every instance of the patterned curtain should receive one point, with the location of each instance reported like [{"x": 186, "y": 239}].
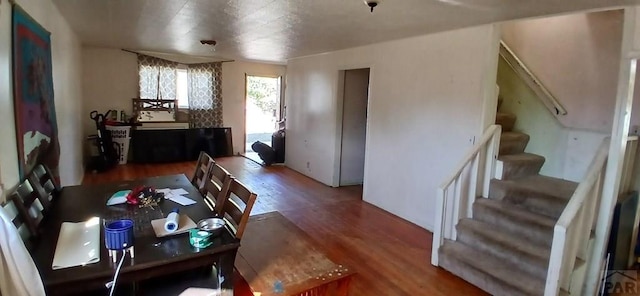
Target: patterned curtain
[
  {"x": 205, "y": 94},
  {"x": 158, "y": 78}
]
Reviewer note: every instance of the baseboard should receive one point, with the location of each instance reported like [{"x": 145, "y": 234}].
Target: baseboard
[{"x": 351, "y": 183}]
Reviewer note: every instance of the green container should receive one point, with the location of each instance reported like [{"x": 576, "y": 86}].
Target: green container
[{"x": 199, "y": 239}]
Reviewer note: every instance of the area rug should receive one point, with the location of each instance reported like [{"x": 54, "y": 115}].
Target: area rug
[{"x": 35, "y": 113}]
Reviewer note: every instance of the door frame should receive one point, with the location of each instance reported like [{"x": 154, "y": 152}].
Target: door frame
[
  {"x": 335, "y": 182},
  {"x": 244, "y": 104}
]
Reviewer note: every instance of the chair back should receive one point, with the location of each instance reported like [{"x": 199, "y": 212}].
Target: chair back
[
  {"x": 236, "y": 207},
  {"x": 216, "y": 187},
  {"x": 23, "y": 229},
  {"x": 202, "y": 170},
  {"x": 45, "y": 184},
  {"x": 27, "y": 201}
]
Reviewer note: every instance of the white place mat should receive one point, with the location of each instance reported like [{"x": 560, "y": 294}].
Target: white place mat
[
  {"x": 78, "y": 244},
  {"x": 184, "y": 224}
]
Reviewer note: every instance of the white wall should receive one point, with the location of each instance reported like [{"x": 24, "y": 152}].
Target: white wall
[
  {"x": 576, "y": 57},
  {"x": 67, "y": 73},
  {"x": 233, "y": 94},
  {"x": 111, "y": 81},
  {"x": 425, "y": 107},
  {"x": 567, "y": 151},
  {"x": 354, "y": 126}
]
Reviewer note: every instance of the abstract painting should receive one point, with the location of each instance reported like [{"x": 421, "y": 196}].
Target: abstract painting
[{"x": 35, "y": 113}]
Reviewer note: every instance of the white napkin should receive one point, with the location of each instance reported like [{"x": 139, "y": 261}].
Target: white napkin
[
  {"x": 78, "y": 244},
  {"x": 177, "y": 196},
  {"x": 18, "y": 273}
]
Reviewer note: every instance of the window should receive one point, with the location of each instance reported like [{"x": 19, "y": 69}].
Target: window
[{"x": 182, "y": 90}]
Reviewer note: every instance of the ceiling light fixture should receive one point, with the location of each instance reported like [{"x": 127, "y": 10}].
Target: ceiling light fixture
[
  {"x": 372, "y": 4},
  {"x": 212, "y": 43}
]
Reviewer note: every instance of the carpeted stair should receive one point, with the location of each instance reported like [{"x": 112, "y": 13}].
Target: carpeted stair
[{"x": 504, "y": 249}]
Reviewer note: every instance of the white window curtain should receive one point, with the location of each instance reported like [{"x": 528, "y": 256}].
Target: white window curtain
[
  {"x": 205, "y": 95},
  {"x": 158, "y": 78}
]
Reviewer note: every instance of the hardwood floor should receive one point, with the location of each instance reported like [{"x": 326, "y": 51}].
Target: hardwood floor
[{"x": 391, "y": 256}]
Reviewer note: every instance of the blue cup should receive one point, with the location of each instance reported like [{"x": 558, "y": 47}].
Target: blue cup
[{"x": 118, "y": 235}]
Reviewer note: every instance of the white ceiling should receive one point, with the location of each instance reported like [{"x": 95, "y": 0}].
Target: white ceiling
[{"x": 277, "y": 30}]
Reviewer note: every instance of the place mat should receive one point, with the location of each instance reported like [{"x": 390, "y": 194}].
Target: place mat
[
  {"x": 184, "y": 224},
  {"x": 78, "y": 244},
  {"x": 141, "y": 217}
]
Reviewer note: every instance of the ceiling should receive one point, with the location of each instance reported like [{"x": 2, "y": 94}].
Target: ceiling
[{"x": 277, "y": 30}]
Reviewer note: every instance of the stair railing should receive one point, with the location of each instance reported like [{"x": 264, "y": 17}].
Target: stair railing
[
  {"x": 456, "y": 195},
  {"x": 573, "y": 230},
  {"x": 531, "y": 80}
]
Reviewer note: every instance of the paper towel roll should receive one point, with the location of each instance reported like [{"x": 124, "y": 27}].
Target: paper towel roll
[{"x": 171, "y": 223}]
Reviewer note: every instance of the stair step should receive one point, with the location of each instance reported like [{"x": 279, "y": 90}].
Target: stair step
[
  {"x": 519, "y": 222},
  {"x": 514, "y": 249},
  {"x": 540, "y": 194},
  {"x": 488, "y": 272},
  {"x": 513, "y": 143},
  {"x": 506, "y": 120},
  {"x": 515, "y": 166}
]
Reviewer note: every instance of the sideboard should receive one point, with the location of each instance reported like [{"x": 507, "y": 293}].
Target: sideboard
[{"x": 175, "y": 145}]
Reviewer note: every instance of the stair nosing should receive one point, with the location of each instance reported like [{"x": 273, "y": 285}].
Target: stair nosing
[
  {"x": 533, "y": 155},
  {"x": 523, "y": 184},
  {"x": 523, "y": 214},
  {"x": 484, "y": 232},
  {"x": 473, "y": 260},
  {"x": 506, "y": 246}
]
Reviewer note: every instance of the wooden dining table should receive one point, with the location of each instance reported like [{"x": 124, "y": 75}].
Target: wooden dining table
[{"x": 154, "y": 257}]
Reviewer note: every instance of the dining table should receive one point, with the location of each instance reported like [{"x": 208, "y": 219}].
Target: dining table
[{"x": 154, "y": 256}]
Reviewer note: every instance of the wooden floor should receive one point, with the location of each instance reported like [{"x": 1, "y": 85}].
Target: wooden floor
[{"x": 390, "y": 255}]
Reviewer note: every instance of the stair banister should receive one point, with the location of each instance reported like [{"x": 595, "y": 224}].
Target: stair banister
[
  {"x": 572, "y": 231},
  {"x": 457, "y": 193},
  {"x": 574, "y": 228},
  {"x": 531, "y": 80}
]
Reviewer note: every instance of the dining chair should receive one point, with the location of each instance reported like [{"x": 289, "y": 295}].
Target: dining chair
[
  {"x": 30, "y": 209},
  {"x": 23, "y": 229},
  {"x": 45, "y": 184},
  {"x": 215, "y": 187},
  {"x": 203, "y": 167},
  {"x": 236, "y": 207}
]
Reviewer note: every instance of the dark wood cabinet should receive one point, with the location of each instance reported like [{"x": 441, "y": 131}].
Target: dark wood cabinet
[{"x": 174, "y": 145}]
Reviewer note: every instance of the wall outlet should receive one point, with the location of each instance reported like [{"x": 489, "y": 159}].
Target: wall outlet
[
  {"x": 308, "y": 165},
  {"x": 634, "y": 130}
]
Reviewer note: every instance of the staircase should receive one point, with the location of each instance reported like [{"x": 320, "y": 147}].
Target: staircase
[{"x": 504, "y": 248}]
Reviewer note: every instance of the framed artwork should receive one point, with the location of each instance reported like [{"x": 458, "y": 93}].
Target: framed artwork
[{"x": 35, "y": 113}]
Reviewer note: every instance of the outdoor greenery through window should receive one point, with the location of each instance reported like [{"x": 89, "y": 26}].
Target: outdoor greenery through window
[{"x": 263, "y": 109}]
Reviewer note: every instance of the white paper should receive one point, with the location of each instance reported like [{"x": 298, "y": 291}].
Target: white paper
[
  {"x": 185, "y": 201},
  {"x": 179, "y": 191},
  {"x": 78, "y": 244}
]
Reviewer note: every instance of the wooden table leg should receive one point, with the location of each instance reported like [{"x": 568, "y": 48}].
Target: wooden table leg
[
  {"x": 343, "y": 286},
  {"x": 225, "y": 268}
]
